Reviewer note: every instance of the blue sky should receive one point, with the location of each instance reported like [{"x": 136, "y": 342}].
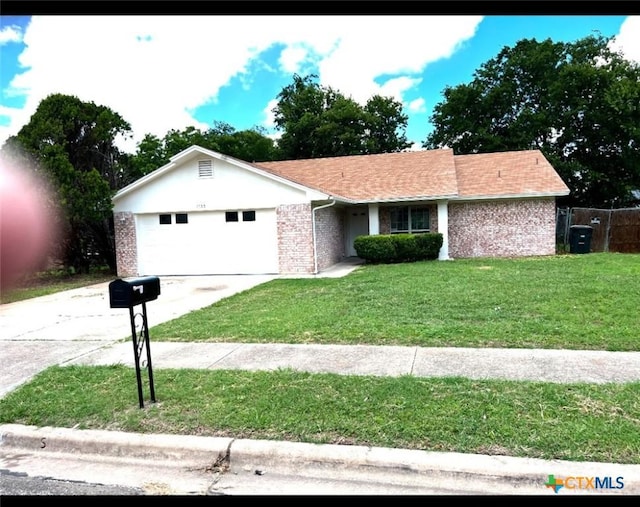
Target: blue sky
[{"x": 170, "y": 72}]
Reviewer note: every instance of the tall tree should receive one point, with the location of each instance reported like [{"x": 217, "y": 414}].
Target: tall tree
[
  {"x": 318, "y": 121},
  {"x": 341, "y": 129},
  {"x": 252, "y": 145},
  {"x": 386, "y": 125},
  {"x": 73, "y": 144},
  {"x": 149, "y": 156},
  {"x": 577, "y": 102},
  {"x": 297, "y": 115}
]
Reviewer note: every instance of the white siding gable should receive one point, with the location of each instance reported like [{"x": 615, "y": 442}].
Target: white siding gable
[{"x": 184, "y": 188}]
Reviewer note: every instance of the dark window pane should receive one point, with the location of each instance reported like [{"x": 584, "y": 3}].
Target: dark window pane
[
  {"x": 231, "y": 216},
  {"x": 420, "y": 219},
  {"x": 182, "y": 218},
  {"x": 248, "y": 216},
  {"x": 165, "y": 219},
  {"x": 400, "y": 219}
]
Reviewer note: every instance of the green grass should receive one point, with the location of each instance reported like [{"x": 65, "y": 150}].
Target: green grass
[
  {"x": 52, "y": 281},
  {"x": 575, "y": 422},
  {"x": 566, "y": 301},
  {"x": 576, "y": 301}
]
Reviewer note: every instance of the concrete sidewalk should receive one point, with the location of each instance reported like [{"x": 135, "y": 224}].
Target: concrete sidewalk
[
  {"x": 560, "y": 366},
  {"x": 78, "y": 327}
]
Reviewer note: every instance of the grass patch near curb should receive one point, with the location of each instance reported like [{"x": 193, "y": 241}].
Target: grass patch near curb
[
  {"x": 53, "y": 281},
  {"x": 587, "y": 302},
  {"x": 575, "y": 422}
]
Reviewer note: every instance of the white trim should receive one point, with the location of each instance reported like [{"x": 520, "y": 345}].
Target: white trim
[
  {"x": 443, "y": 228},
  {"x": 313, "y": 226},
  {"x": 498, "y": 197},
  {"x": 374, "y": 219},
  {"x": 418, "y": 198}
]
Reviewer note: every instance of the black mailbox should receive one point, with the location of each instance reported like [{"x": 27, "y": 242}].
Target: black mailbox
[{"x": 133, "y": 291}]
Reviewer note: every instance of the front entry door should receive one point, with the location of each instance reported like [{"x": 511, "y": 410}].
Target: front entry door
[{"x": 357, "y": 225}]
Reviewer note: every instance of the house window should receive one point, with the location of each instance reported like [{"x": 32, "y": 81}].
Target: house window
[
  {"x": 205, "y": 168},
  {"x": 231, "y": 216},
  {"x": 409, "y": 219},
  {"x": 165, "y": 219},
  {"x": 248, "y": 216},
  {"x": 182, "y": 218}
]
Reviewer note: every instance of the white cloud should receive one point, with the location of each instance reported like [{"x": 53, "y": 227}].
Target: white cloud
[
  {"x": 628, "y": 40},
  {"x": 155, "y": 70},
  {"x": 417, "y": 106},
  {"x": 392, "y": 46},
  {"x": 10, "y": 34},
  {"x": 395, "y": 87},
  {"x": 292, "y": 58},
  {"x": 268, "y": 114}
]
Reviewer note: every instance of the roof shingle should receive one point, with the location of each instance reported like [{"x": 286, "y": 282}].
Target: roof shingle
[
  {"x": 426, "y": 174},
  {"x": 511, "y": 173}
]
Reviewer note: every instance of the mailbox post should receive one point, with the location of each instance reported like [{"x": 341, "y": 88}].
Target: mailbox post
[{"x": 128, "y": 293}]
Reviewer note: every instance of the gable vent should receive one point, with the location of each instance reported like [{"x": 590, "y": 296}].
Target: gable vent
[{"x": 205, "y": 168}]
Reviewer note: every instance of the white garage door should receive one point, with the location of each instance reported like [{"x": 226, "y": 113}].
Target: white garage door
[{"x": 207, "y": 242}]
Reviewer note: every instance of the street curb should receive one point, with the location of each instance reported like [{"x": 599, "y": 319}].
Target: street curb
[
  {"x": 155, "y": 447},
  {"x": 400, "y": 467}
]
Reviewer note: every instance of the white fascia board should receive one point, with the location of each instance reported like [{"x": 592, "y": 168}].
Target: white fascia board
[
  {"x": 404, "y": 199},
  {"x": 531, "y": 195}
]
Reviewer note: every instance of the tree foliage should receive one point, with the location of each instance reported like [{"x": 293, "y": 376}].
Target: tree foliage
[
  {"x": 579, "y": 103},
  {"x": 72, "y": 144},
  {"x": 318, "y": 121},
  {"x": 251, "y": 145}
]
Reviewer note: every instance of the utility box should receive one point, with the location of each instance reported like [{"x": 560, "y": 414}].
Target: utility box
[
  {"x": 580, "y": 239},
  {"x": 127, "y": 293}
]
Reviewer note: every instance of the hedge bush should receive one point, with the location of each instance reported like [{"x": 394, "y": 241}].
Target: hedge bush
[
  {"x": 392, "y": 248},
  {"x": 429, "y": 244},
  {"x": 375, "y": 249}
]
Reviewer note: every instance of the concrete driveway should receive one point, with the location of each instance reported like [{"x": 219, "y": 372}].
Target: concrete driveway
[{"x": 63, "y": 327}]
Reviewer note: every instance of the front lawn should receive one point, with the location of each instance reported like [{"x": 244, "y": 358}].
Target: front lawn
[
  {"x": 575, "y": 422},
  {"x": 52, "y": 281},
  {"x": 568, "y": 301},
  {"x": 587, "y": 301}
]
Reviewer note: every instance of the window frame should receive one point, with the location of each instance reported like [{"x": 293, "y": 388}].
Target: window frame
[{"x": 409, "y": 211}]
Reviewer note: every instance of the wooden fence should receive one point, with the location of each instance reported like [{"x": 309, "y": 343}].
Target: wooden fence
[{"x": 614, "y": 230}]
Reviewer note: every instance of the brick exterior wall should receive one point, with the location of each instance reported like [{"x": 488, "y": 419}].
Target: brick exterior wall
[
  {"x": 509, "y": 228},
  {"x": 126, "y": 249},
  {"x": 295, "y": 239},
  {"x": 384, "y": 219},
  {"x": 330, "y": 235}
]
